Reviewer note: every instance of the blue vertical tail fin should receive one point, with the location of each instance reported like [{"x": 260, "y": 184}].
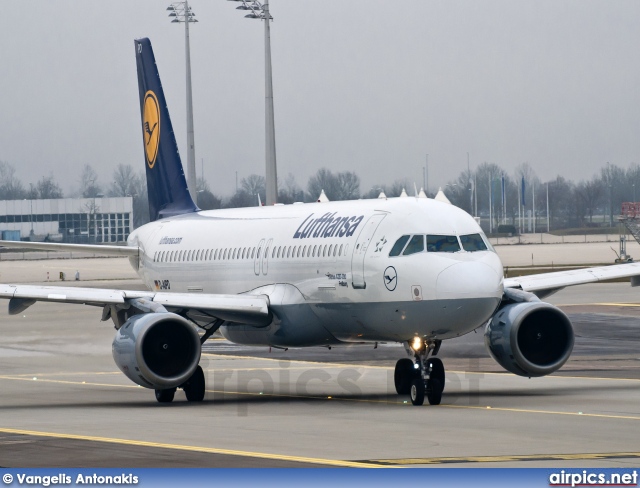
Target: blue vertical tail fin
[{"x": 166, "y": 182}]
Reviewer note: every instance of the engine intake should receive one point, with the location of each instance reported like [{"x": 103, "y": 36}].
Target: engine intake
[
  {"x": 530, "y": 339},
  {"x": 157, "y": 350}
]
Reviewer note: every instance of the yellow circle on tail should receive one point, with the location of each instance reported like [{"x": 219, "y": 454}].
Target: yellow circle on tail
[{"x": 151, "y": 127}]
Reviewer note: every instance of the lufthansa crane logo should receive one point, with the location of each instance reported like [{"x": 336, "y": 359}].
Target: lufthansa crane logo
[
  {"x": 390, "y": 278},
  {"x": 151, "y": 127}
]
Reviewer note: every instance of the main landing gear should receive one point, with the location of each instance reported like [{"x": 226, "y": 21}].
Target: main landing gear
[
  {"x": 193, "y": 389},
  {"x": 421, "y": 376}
]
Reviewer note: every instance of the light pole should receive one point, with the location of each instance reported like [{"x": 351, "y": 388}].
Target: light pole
[
  {"x": 182, "y": 13},
  {"x": 261, "y": 11}
]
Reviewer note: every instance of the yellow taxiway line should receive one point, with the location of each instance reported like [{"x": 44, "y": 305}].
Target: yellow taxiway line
[
  {"x": 181, "y": 447},
  {"x": 506, "y": 458}
]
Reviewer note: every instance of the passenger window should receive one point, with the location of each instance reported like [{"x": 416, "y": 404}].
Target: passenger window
[
  {"x": 398, "y": 246},
  {"x": 442, "y": 244},
  {"x": 252, "y": 252},
  {"x": 340, "y": 253},
  {"x": 416, "y": 244},
  {"x": 473, "y": 242}
]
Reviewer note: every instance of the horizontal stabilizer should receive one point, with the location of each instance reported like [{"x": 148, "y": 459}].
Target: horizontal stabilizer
[{"x": 54, "y": 246}]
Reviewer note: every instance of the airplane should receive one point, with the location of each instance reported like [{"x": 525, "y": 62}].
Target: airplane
[{"x": 415, "y": 271}]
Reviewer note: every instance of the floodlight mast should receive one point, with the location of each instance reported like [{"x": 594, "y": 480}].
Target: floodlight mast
[
  {"x": 182, "y": 13},
  {"x": 261, "y": 11}
]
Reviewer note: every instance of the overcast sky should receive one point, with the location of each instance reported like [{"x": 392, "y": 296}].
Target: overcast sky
[{"x": 370, "y": 87}]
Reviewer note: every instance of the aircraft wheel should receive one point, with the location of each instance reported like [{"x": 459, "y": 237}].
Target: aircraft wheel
[
  {"x": 165, "y": 396},
  {"x": 417, "y": 391},
  {"x": 403, "y": 375},
  {"x": 435, "y": 385},
  {"x": 194, "y": 388}
]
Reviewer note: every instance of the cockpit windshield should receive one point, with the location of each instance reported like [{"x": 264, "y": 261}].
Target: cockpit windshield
[
  {"x": 411, "y": 244},
  {"x": 398, "y": 246},
  {"x": 473, "y": 242},
  {"x": 442, "y": 244},
  {"x": 416, "y": 244}
]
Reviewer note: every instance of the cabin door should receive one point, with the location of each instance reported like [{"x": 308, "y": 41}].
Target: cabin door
[{"x": 360, "y": 250}]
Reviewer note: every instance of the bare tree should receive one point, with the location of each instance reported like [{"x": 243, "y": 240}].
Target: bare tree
[
  {"x": 11, "y": 187},
  {"x": 48, "y": 188},
  {"x": 206, "y": 199},
  {"x": 124, "y": 181},
  {"x": 590, "y": 194},
  {"x": 290, "y": 192},
  {"x": 89, "y": 182},
  {"x": 325, "y": 180},
  {"x": 348, "y": 186},
  {"x": 254, "y": 185}
]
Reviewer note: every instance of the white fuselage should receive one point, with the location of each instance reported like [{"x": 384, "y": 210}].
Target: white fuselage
[{"x": 326, "y": 269}]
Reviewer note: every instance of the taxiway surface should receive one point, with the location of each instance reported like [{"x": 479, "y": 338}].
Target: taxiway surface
[{"x": 63, "y": 403}]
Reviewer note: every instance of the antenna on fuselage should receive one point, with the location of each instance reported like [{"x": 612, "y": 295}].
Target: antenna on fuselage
[
  {"x": 441, "y": 197},
  {"x": 323, "y": 197}
]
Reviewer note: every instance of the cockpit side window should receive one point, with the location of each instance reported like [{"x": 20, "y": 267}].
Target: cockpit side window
[
  {"x": 416, "y": 244},
  {"x": 442, "y": 244},
  {"x": 473, "y": 242},
  {"x": 399, "y": 246}
]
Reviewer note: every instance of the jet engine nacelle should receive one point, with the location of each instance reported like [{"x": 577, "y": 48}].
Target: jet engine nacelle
[
  {"x": 530, "y": 338},
  {"x": 157, "y": 350}
]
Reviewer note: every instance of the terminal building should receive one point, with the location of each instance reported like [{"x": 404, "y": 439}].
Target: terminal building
[{"x": 73, "y": 220}]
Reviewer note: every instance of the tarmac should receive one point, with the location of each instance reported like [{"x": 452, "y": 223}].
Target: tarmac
[{"x": 63, "y": 403}]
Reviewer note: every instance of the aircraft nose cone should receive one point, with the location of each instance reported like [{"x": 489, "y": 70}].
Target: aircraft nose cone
[{"x": 469, "y": 280}]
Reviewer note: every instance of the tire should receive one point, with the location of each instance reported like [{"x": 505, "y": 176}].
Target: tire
[
  {"x": 435, "y": 385},
  {"x": 434, "y": 391},
  {"x": 194, "y": 388},
  {"x": 403, "y": 375},
  {"x": 165, "y": 396},
  {"x": 417, "y": 391}
]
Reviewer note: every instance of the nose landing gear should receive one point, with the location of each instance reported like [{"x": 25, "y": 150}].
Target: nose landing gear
[{"x": 422, "y": 377}]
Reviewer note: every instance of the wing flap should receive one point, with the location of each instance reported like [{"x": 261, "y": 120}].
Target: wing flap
[
  {"x": 245, "y": 309},
  {"x": 561, "y": 279}
]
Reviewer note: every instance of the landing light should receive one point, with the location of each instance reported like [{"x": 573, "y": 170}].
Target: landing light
[{"x": 416, "y": 344}]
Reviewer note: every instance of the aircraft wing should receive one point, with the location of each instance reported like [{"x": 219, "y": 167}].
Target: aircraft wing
[
  {"x": 545, "y": 284},
  {"x": 245, "y": 309},
  {"x": 54, "y": 246}
]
